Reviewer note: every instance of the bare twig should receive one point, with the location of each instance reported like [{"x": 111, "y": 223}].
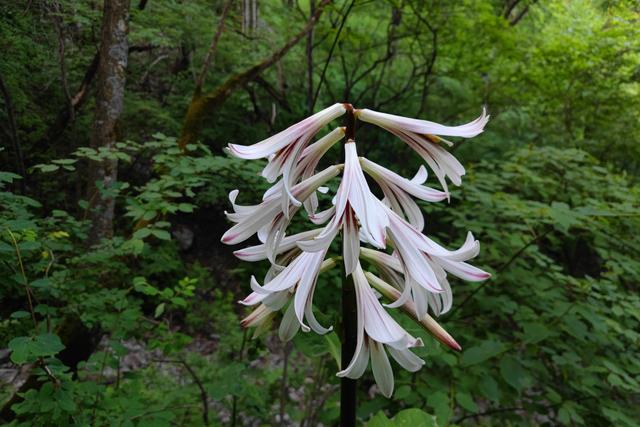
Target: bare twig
[
  {"x": 13, "y": 130},
  {"x": 522, "y": 13},
  {"x": 234, "y": 404},
  {"x": 312, "y": 6},
  {"x": 502, "y": 268},
  {"x": 204, "y": 396},
  {"x": 57, "y": 23},
  {"x": 333, "y": 46},
  {"x": 201, "y": 107},
  {"x": 208, "y": 59},
  {"x": 432, "y": 60}
]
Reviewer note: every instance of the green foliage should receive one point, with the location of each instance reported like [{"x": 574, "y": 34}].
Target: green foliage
[{"x": 136, "y": 330}]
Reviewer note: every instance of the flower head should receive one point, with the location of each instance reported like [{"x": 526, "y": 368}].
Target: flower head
[{"x": 385, "y": 233}]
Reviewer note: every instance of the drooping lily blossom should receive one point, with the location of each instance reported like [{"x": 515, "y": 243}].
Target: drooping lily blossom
[
  {"x": 425, "y": 137},
  {"x": 377, "y": 330},
  {"x": 285, "y": 149},
  {"x": 357, "y": 211},
  {"x": 385, "y": 233}
]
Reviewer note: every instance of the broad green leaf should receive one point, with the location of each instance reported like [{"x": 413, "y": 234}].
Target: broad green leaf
[{"x": 479, "y": 354}]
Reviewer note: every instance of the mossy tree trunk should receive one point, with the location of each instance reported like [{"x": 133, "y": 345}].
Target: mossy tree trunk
[{"x": 114, "y": 52}]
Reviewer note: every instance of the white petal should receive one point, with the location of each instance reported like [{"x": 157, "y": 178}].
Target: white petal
[
  {"x": 463, "y": 270},
  {"x": 406, "y": 359},
  {"x": 358, "y": 363},
  {"x": 313, "y": 322},
  {"x": 264, "y": 213},
  {"x": 381, "y": 258},
  {"x": 289, "y": 325},
  {"x": 351, "y": 242},
  {"x": 413, "y": 187},
  {"x": 381, "y": 368},
  {"x": 322, "y": 240},
  {"x": 306, "y": 286},
  {"x": 259, "y": 253},
  {"x": 378, "y": 324},
  {"x": 277, "y": 142},
  {"x": 468, "y": 130},
  {"x": 420, "y": 176},
  {"x": 367, "y": 207},
  {"x": 322, "y": 217}
]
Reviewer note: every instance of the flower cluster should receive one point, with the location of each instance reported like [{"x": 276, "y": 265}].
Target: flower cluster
[{"x": 386, "y": 233}]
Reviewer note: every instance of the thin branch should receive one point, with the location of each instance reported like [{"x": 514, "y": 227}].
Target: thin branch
[
  {"x": 57, "y": 23},
  {"x": 13, "y": 130},
  {"x": 333, "y": 46},
  {"x": 502, "y": 268},
  {"x": 212, "y": 48},
  {"x": 201, "y": 107},
  {"x": 432, "y": 61},
  {"x": 275, "y": 94},
  {"x": 508, "y": 8},
  {"x": 522, "y": 13},
  {"x": 234, "y": 404},
  {"x": 309, "y": 51},
  {"x": 204, "y": 397}
]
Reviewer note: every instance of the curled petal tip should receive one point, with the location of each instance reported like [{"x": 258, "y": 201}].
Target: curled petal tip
[{"x": 227, "y": 239}]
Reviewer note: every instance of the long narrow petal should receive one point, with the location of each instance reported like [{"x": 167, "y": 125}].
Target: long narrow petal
[
  {"x": 426, "y": 322},
  {"x": 413, "y": 186},
  {"x": 306, "y": 286},
  {"x": 468, "y": 130},
  {"x": 289, "y": 326},
  {"x": 381, "y": 368},
  {"x": 378, "y": 324},
  {"x": 406, "y": 359},
  {"x": 360, "y": 359},
  {"x": 268, "y": 209},
  {"x": 259, "y": 253},
  {"x": 367, "y": 207},
  {"x": 351, "y": 242},
  {"x": 277, "y": 142}
]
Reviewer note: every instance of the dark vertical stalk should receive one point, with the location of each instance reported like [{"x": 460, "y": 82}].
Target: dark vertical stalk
[{"x": 349, "y": 319}]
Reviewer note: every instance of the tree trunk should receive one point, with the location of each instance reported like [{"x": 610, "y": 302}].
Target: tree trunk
[{"x": 114, "y": 51}]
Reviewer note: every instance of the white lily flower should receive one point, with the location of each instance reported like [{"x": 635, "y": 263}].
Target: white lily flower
[
  {"x": 250, "y": 219},
  {"x": 302, "y": 271},
  {"x": 259, "y": 252},
  {"x": 397, "y": 190},
  {"x": 423, "y": 137},
  {"x": 285, "y": 149},
  {"x": 305, "y": 130},
  {"x": 301, "y": 167},
  {"x": 415, "y": 273},
  {"x": 357, "y": 211},
  {"x": 377, "y": 329},
  {"x": 418, "y": 253}
]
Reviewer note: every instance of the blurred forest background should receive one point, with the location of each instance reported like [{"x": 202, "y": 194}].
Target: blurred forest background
[{"x": 118, "y": 300}]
